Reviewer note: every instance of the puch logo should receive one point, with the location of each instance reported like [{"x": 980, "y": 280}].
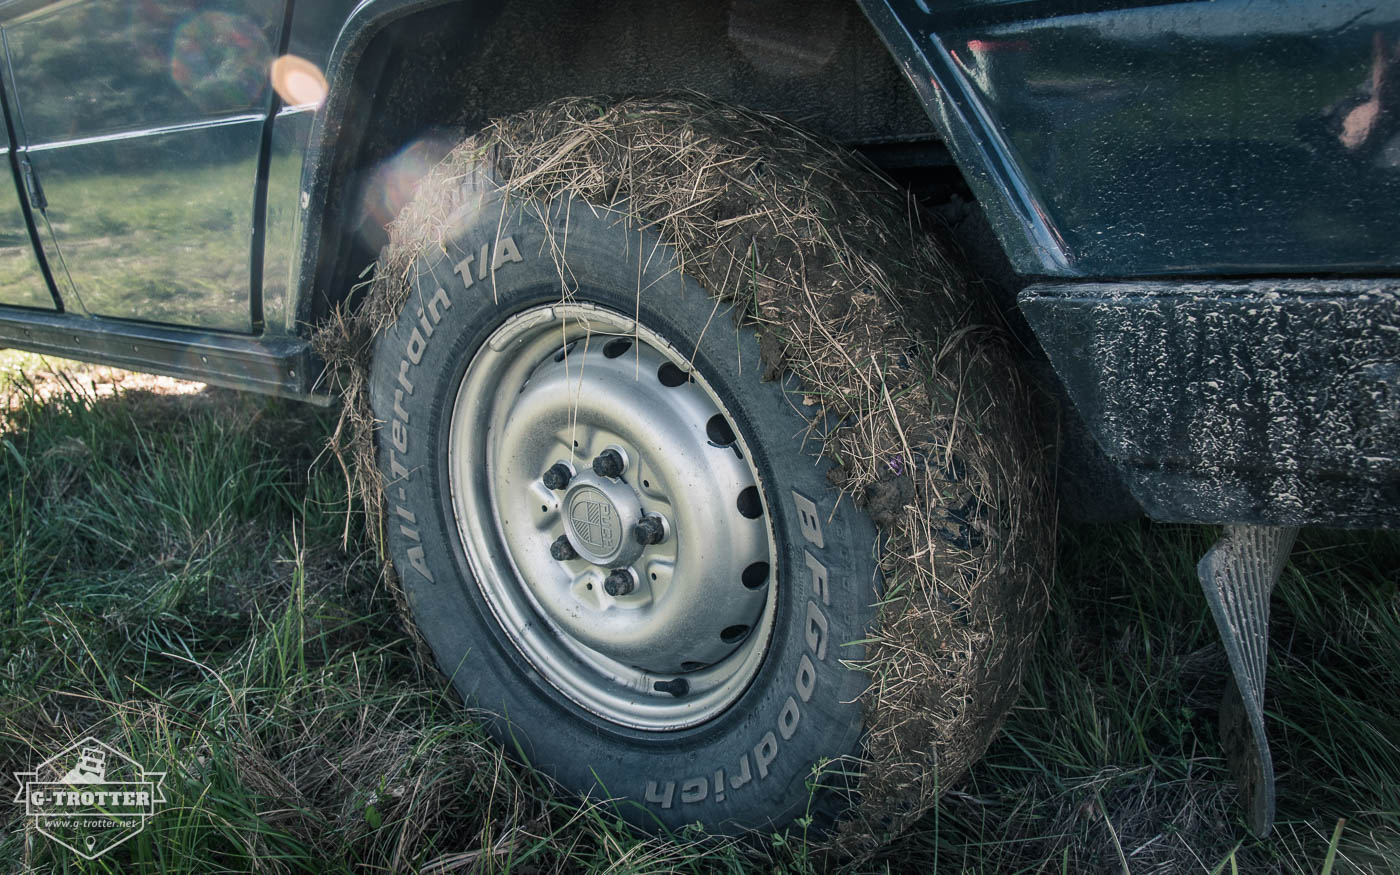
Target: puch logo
[
  {"x": 593, "y": 523},
  {"x": 90, "y": 797}
]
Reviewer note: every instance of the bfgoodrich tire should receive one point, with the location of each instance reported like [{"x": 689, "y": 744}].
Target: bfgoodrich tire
[
  {"x": 471, "y": 521},
  {"x": 640, "y": 534}
]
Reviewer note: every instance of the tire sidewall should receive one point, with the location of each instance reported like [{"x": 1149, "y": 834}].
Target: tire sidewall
[{"x": 752, "y": 764}]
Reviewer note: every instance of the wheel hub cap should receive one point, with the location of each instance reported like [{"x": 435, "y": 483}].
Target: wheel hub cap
[{"x": 598, "y": 520}]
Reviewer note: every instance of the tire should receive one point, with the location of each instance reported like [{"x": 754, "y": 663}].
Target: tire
[
  {"x": 547, "y": 382},
  {"x": 749, "y": 761}
]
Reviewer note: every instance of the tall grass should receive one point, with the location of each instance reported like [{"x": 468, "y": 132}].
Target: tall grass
[{"x": 173, "y": 581}]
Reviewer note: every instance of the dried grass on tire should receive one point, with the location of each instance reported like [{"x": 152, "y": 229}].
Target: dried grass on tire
[{"x": 827, "y": 262}]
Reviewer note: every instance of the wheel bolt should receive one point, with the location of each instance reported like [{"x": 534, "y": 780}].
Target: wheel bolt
[
  {"x": 608, "y": 464},
  {"x": 558, "y": 476},
  {"x": 619, "y": 582},
  {"x": 649, "y": 530},
  {"x": 562, "y": 550}
]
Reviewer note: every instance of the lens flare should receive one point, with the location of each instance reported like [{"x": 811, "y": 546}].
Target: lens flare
[
  {"x": 220, "y": 60},
  {"x": 299, "y": 82},
  {"x": 394, "y": 182}
]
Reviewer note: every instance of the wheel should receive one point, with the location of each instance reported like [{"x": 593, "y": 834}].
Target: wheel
[
  {"x": 589, "y": 500},
  {"x": 616, "y": 537}
]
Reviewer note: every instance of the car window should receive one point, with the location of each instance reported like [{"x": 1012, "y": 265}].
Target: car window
[{"x": 95, "y": 68}]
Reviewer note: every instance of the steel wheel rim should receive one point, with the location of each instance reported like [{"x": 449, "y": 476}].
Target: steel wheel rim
[{"x": 561, "y": 385}]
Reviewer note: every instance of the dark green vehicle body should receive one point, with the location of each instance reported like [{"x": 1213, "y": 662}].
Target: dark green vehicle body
[{"x": 1195, "y": 206}]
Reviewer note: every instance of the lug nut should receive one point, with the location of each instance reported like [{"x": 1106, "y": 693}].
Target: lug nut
[
  {"x": 562, "y": 550},
  {"x": 649, "y": 529},
  {"x": 558, "y": 476},
  {"x": 619, "y": 582},
  {"x": 608, "y": 464}
]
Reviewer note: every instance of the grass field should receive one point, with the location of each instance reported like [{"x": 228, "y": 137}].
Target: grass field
[{"x": 173, "y": 581}]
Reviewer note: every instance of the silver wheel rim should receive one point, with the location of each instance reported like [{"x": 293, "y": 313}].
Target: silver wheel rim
[{"x": 554, "y": 388}]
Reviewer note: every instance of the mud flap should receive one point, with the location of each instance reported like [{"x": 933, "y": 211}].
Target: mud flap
[{"x": 1238, "y": 575}]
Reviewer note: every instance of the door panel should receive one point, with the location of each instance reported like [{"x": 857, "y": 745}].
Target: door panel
[
  {"x": 158, "y": 232},
  {"x": 142, "y": 121},
  {"x": 281, "y": 266},
  {"x": 21, "y": 282}
]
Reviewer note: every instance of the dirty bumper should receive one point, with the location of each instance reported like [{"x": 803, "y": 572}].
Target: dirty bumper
[{"x": 1273, "y": 402}]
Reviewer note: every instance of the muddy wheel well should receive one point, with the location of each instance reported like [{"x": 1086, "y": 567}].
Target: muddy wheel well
[{"x": 431, "y": 78}]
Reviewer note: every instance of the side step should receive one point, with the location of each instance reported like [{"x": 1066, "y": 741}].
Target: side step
[
  {"x": 270, "y": 365},
  {"x": 1238, "y": 575}
]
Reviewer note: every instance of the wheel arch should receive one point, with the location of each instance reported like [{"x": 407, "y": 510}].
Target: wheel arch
[{"x": 402, "y": 71}]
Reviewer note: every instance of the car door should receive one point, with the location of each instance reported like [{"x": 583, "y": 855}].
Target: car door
[{"x": 138, "y": 128}]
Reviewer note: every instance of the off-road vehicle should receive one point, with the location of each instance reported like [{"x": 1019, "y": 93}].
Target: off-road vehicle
[{"x": 620, "y": 348}]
